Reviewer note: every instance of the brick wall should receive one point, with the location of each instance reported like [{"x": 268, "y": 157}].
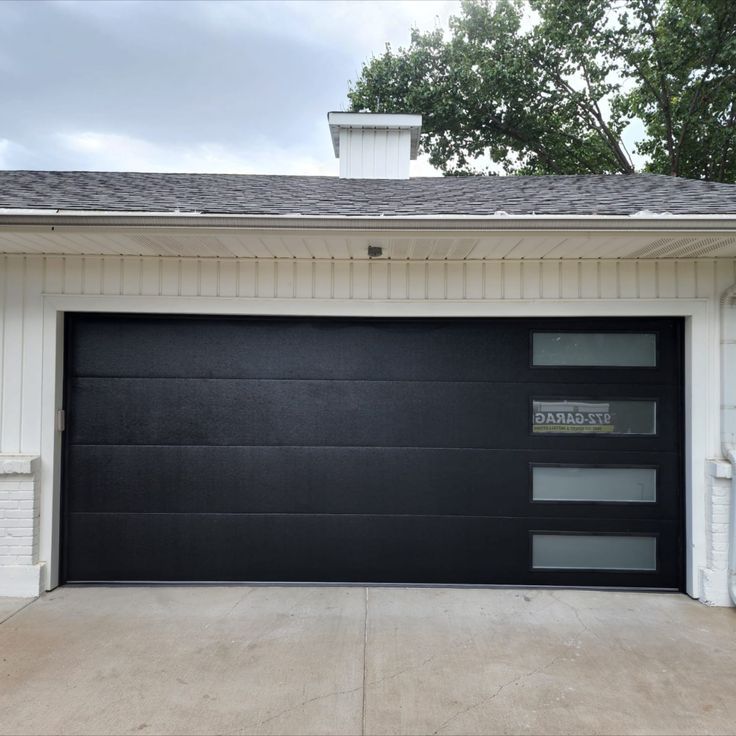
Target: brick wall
[
  {"x": 19, "y": 521},
  {"x": 714, "y": 579}
]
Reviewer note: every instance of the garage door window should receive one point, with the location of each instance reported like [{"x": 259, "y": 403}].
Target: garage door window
[
  {"x": 591, "y": 349},
  {"x": 580, "y": 416},
  {"x": 581, "y": 484},
  {"x": 593, "y": 552}
]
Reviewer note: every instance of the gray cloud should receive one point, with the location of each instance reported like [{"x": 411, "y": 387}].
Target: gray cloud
[{"x": 167, "y": 81}]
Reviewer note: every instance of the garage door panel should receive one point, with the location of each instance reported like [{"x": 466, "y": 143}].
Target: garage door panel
[
  {"x": 285, "y": 547},
  {"x": 363, "y": 480},
  {"x": 282, "y": 349},
  {"x": 298, "y": 548},
  {"x": 345, "y": 413},
  {"x": 339, "y": 349}
]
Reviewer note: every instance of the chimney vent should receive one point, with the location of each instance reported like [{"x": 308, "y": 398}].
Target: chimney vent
[{"x": 374, "y": 145}]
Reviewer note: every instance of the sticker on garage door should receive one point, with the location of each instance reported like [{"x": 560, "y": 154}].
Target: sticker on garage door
[{"x": 593, "y": 417}]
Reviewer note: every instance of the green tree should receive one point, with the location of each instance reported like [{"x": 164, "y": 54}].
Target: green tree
[{"x": 548, "y": 86}]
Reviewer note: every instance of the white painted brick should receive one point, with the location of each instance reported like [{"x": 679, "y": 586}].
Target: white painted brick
[
  {"x": 23, "y": 522},
  {"x": 18, "y": 514},
  {"x": 19, "y": 552},
  {"x": 718, "y": 468},
  {"x": 22, "y": 495},
  {"x": 714, "y": 579},
  {"x": 19, "y": 518},
  {"x": 6, "y": 540},
  {"x": 16, "y": 549}
]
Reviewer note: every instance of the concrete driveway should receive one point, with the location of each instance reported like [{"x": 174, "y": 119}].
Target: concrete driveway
[{"x": 321, "y": 660}]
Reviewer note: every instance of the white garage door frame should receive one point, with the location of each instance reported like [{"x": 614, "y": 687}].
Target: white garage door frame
[{"x": 701, "y": 377}]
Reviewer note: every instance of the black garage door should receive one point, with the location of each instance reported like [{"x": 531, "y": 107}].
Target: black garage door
[{"x": 471, "y": 451}]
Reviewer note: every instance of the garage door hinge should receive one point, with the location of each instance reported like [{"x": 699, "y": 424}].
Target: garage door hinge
[{"x": 60, "y": 420}]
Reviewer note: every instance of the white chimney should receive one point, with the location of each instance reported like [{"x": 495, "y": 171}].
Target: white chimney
[{"x": 374, "y": 145}]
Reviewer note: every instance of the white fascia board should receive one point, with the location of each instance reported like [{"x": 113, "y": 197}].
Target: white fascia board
[
  {"x": 295, "y": 221},
  {"x": 374, "y": 121}
]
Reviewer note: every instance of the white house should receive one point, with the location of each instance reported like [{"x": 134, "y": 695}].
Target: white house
[{"x": 367, "y": 378}]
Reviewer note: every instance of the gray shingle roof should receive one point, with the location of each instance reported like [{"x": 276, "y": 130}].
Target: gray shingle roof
[{"x": 322, "y": 195}]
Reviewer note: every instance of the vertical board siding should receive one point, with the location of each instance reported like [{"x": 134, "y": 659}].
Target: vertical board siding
[
  {"x": 91, "y": 275},
  {"x": 24, "y": 280},
  {"x": 371, "y": 153},
  {"x": 14, "y": 352},
  {"x": 348, "y": 279},
  {"x": 32, "y": 362}
]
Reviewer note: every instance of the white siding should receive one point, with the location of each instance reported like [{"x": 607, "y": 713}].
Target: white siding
[
  {"x": 325, "y": 278},
  {"x": 24, "y": 279},
  {"x": 374, "y": 154}
]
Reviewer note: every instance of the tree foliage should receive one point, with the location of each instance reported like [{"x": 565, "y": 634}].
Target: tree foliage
[{"x": 548, "y": 86}]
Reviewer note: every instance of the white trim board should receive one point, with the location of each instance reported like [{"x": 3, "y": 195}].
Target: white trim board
[{"x": 701, "y": 376}]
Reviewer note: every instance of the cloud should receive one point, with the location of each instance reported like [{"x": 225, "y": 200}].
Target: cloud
[
  {"x": 12, "y": 155},
  {"x": 208, "y": 86},
  {"x": 365, "y": 26},
  {"x": 113, "y": 152},
  {"x": 4, "y": 147}
]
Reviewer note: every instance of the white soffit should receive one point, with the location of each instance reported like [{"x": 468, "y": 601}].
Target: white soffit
[{"x": 406, "y": 244}]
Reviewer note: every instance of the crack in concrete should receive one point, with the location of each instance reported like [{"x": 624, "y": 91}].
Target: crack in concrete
[
  {"x": 412, "y": 667},
  {"x": 239, "y": 601},
  {"x": 280, "y": 617},
  {"x": 498, "y": 691},
  {"x": 335, "y": 693},
  {"x": 400, "y": 672},
  {"x": 577, "y": 614},
  {"x": 232, "y": 608},
  {"x": 520, "y": 678}
]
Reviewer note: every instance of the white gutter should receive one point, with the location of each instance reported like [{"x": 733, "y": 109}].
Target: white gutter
[
  {"x": 639, "y": 222},
  {"x": 728, "y": 372}
]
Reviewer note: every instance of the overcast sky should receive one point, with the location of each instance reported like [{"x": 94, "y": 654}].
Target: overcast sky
[{"x": 241, "y": 87}]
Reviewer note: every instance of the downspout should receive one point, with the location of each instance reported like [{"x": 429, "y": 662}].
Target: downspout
[
  {"x": 728, "y": 371},
  {"x": 731, "y": 455}
]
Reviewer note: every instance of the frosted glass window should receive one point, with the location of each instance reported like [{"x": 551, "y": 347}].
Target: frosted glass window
[
  {"x": 568, "y": 416},
  {"x": 617, "y": 349},
  {"x": 594, "y": 484},
  {"x": 593, "y": 552}
]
